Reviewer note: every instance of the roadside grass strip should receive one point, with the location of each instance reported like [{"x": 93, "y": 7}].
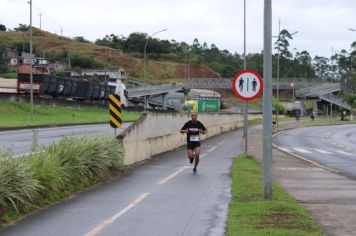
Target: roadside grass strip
[
  {"x": 250, "y": 214},
  {"x": 17, "y": 114},
  {"x": 49, "y": 175}
]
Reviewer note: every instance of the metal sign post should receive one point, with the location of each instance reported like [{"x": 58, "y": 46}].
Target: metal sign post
[{"x": 247, "y": 85}]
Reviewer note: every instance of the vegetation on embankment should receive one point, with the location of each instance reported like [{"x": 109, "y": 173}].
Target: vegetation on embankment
[
  {"x": 84, "y": 54},
  {"x": 51, "y": 174},
  {"x": 17, "y": 114},
  {"x": 249, "y": 214}
]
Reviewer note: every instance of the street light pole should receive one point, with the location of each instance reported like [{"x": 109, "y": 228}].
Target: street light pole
[
  {"x": 267, "y": 101},
  {"x": 31, "y": 64},
  {"x": 145, "y": 62},
  {"x": 245, "y": 102},
  {"x": 279, "y": 55},
  {"x": 278, "y": 60}
]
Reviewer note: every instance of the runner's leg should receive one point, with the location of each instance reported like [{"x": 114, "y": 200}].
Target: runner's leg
[
  {"x": 197, "y": 154},
  {"x": 190, "y": 155}
]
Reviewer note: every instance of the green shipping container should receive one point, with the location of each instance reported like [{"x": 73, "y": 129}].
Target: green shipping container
[{"x": 208, "y": 105}]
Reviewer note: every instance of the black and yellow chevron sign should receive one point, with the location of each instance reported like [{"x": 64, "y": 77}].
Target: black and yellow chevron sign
[{"x": 115, "y": 111}]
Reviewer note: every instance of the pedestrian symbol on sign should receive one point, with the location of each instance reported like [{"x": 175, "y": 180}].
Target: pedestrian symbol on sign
[
  {"x": 241, "y": 84},
  {"x": 254, "y": 85}
]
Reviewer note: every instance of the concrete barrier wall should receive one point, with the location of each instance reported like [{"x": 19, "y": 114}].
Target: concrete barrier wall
[{"x": 156, "y": 133}]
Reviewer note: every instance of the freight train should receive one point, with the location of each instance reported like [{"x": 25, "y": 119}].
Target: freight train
[{"x": 45, "y": 84}]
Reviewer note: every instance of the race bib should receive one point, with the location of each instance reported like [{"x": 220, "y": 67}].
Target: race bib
[{"x": 194, "y": 138}]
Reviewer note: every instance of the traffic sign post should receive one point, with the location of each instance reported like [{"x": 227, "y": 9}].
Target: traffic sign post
[{"x": 247, "y": 85}]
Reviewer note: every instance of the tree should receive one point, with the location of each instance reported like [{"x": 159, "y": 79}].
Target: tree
[
  {"x": 22, "y": 28},
  {"x": 3, "y": 62},
  {"x": 2, "y": 27},
  {"x": 135, "y": 42},
  {"x": 322, "y": 67},
  {"x": 81, "y": 39},
  {"x": 282, "y": 44}
]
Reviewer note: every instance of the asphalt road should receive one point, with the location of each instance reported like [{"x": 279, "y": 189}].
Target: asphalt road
[
  {"x": 20, "y": 141},
  {"x": 160, "y": 197},
  {"x": 331, "y": 146}
]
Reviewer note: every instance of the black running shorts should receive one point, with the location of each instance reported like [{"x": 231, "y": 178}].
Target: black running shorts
[{"x": 192, "y": 145}]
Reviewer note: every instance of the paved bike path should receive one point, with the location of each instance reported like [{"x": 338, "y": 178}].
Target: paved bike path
[{"x": 161, "y": 197}]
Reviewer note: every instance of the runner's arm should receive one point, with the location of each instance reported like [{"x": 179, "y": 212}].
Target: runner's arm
[
  {"x": 202, "y": 129},
  {"x": 184, "y": 129}
]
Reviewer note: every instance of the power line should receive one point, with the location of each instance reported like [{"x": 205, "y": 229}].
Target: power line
[{"x": 17, "y": 1}]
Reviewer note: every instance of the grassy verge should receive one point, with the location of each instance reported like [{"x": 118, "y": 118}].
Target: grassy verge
[
  {"x": 46, "y": 176},
  {"x": 249, "y": 214},
  {"x": 13, "y": 114}
]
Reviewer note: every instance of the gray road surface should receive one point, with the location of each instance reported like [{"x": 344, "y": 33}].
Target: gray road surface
[
  {"x": 20, "y": 141},
  {"x": 161, "y": 197},
  {"x": 331, "y": 146}
]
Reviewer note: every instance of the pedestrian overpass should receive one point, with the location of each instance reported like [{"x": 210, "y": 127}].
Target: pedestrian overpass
[{"x": 303, "y": 90}]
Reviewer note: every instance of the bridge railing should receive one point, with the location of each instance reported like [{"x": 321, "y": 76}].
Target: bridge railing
[
  {"x": 318, "y": 90},
  {"x": 154, "y": 90},
  {"x": 336, "y": 100}
]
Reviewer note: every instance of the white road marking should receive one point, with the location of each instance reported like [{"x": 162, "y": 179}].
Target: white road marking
[
  {"x": 345, "y": 153},
  {"x": 212, "y": 149},
  {"x": 301, "y": 150},
  {"x": 323, "y": 151},
  {"x": 165, "y": 180},
  {"x": 112, "y": 219},
  {"x": 221, "y": 142},
  {"x": 296, "y": 168},
  {"x": 202, "y": 156}
]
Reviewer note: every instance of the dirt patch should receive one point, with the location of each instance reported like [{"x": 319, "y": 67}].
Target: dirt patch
[{"x": 280, "y": 219}]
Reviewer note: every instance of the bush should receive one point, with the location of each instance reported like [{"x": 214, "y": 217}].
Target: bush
[
  {"x": 48, "y": 175},
  {"x": 18, "y": 183}
]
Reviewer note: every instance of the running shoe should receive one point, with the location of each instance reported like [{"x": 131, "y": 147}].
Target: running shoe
[
  {"x": 195, "y": 170},
  {"x": 191, "y": 160}
]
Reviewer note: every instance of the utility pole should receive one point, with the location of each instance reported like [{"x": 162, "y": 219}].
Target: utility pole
[
  {"x": 40, "y": 20},
  {"x": 267, "y": 101},
  {"x": 245, "y": 102},
  {"x": 31, "y": 64},
  {"x": 278, "y": 58}
]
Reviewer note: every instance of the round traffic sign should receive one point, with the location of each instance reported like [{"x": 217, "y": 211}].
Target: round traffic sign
[{"x": 247, "y": 84}]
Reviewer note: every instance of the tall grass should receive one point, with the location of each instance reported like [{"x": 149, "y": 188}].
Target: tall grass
[
  {"x": 17, "y": 182},
  {"x": 48, "y": 175}
]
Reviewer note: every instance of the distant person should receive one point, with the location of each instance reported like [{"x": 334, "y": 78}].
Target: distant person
[
  {"x": 297, "y": 115},
  {"x": 193, "y": 129},
  {"x": 312, "y": 115},
  {"x": 274, "y": 119},
  {"x": 343, "y": 114}
]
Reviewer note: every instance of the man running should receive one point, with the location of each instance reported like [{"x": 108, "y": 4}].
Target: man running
[{"x": 193, "y": 128}]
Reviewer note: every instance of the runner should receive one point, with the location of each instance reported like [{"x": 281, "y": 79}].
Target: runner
[{"x": 193, "y": 128}]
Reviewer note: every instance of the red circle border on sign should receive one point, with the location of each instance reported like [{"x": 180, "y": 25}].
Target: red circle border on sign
[{"x": 238, "y": 75}]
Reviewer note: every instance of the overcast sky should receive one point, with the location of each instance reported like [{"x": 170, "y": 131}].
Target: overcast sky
[{"x": 322, "y": 25}]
